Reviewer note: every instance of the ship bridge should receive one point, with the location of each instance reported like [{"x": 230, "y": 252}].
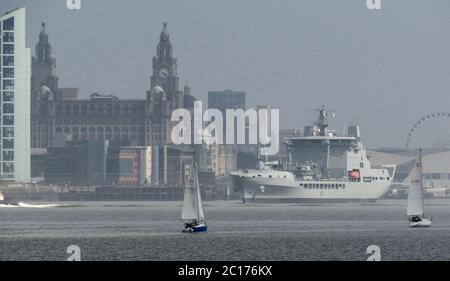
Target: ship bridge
[{"x": 329, "y": 156}]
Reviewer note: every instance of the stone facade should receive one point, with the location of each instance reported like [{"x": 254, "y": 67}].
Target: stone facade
[{"x": 57, "y": 112}]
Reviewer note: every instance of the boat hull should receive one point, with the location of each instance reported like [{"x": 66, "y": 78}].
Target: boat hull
[
  {"x": 8, "y": 203},
  {"x": 422, "y": 223},
  {"x": 270, "y": 190},
  {"x": 199, "y": 228}
]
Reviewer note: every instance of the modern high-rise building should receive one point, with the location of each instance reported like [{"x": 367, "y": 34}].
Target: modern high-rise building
[
  {"x": 15, "y": 98},
  {"x": 224, "y": 157}
]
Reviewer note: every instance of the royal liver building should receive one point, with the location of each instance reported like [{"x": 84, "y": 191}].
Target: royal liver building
[{"x": 57, "y": 113}]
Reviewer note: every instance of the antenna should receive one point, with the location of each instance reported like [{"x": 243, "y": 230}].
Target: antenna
[{"x": 322, "y": 120}]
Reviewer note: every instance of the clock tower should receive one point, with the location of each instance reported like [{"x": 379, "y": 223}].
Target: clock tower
[
  {"x": 165, "y": 95},
  {"x": 165, "y": 70}
]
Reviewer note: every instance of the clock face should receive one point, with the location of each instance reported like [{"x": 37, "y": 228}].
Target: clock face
[{"x": 163, "y": 73}]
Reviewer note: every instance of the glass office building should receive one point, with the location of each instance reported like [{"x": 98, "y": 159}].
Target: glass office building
[{"x": 15, "y": 98}]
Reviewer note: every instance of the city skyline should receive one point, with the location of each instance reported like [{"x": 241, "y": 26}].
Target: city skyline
[{"x": 369, "y": 68}]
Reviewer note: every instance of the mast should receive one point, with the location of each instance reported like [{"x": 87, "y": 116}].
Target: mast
[
  {"x": 421, "y": 180},
  {"x": 196, "y": 191},
  {"x": 322, "y": 124}
]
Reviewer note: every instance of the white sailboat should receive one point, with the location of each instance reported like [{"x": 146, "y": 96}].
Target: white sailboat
[
  {"x": 415, "y": 209},
  {"x": 192, "y": 214}
]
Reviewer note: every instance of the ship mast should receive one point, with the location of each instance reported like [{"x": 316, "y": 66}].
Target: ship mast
[
  {"x": 322, "y": 120},
  {"x": 322, "y": 124}
]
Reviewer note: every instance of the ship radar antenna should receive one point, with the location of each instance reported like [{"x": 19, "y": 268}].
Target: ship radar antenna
[{"x": 322, "y": 120}]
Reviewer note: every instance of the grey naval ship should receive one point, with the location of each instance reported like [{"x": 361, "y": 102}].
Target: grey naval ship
[{"x": 321, "y": 167}]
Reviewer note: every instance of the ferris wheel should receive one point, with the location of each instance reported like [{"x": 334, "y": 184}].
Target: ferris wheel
[{"x": 432, "y": 129}]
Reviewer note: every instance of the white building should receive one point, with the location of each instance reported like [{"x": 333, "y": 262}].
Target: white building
[
  {"x": 436, "y": 168},
  {"x": 15, "y": 75}
]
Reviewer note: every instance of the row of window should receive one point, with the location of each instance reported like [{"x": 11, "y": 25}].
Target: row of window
[
  {"x": 371, "y": 179},
  {"x": 93, "y": 129},
  {"x": 100, "y": 137},
  {"x": 323, "y": 185},
  {"x": 92, "y": 121}
]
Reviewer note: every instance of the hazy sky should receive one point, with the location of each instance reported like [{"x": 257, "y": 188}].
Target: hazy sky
[{"x": 380, "y": 69}]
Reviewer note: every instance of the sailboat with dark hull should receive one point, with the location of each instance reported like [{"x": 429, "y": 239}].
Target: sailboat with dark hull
[
  {"x": 192, "y": 214},
  {"x": 415, "y": 208}
]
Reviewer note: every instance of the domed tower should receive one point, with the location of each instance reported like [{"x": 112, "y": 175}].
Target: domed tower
[
  {"x": 165, "y": 70},
  {"x": 44, "y": 91},
  {"x": 164, "y": 85},
  {"x": 44, "y": 64}
]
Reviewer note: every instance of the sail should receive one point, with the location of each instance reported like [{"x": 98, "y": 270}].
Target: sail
[
  {"x": 192, "y": 204},
  {"x": 189, "y": 204},
  {"x": 200, "y": 214},
  {"x": 415, "y": 193}
]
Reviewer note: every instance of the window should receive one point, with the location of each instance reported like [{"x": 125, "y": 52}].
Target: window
[
  {"x": 8, "y": 61},
  {"x": 8, "y": 144},
  {"x": 8, "y": 37},
  {"x": 8, "y": 49},
  {"x": 361, "y": 165},
  {"x": 8, "y": 84},
  {"x": 8, "y": 24},
  {"x": 8, "y": 167},
  {"x": 8, "y": 155},
  {"x": 436, "y": 176},
  {"x": 8, "y": 73},
  {"x": 8, "y": 108},
  {"x": 8, "y": 132},
  {"x": 8, "y": 119}
]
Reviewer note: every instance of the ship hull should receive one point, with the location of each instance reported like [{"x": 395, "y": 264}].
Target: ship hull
[{"x": 267, "y": 190}]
